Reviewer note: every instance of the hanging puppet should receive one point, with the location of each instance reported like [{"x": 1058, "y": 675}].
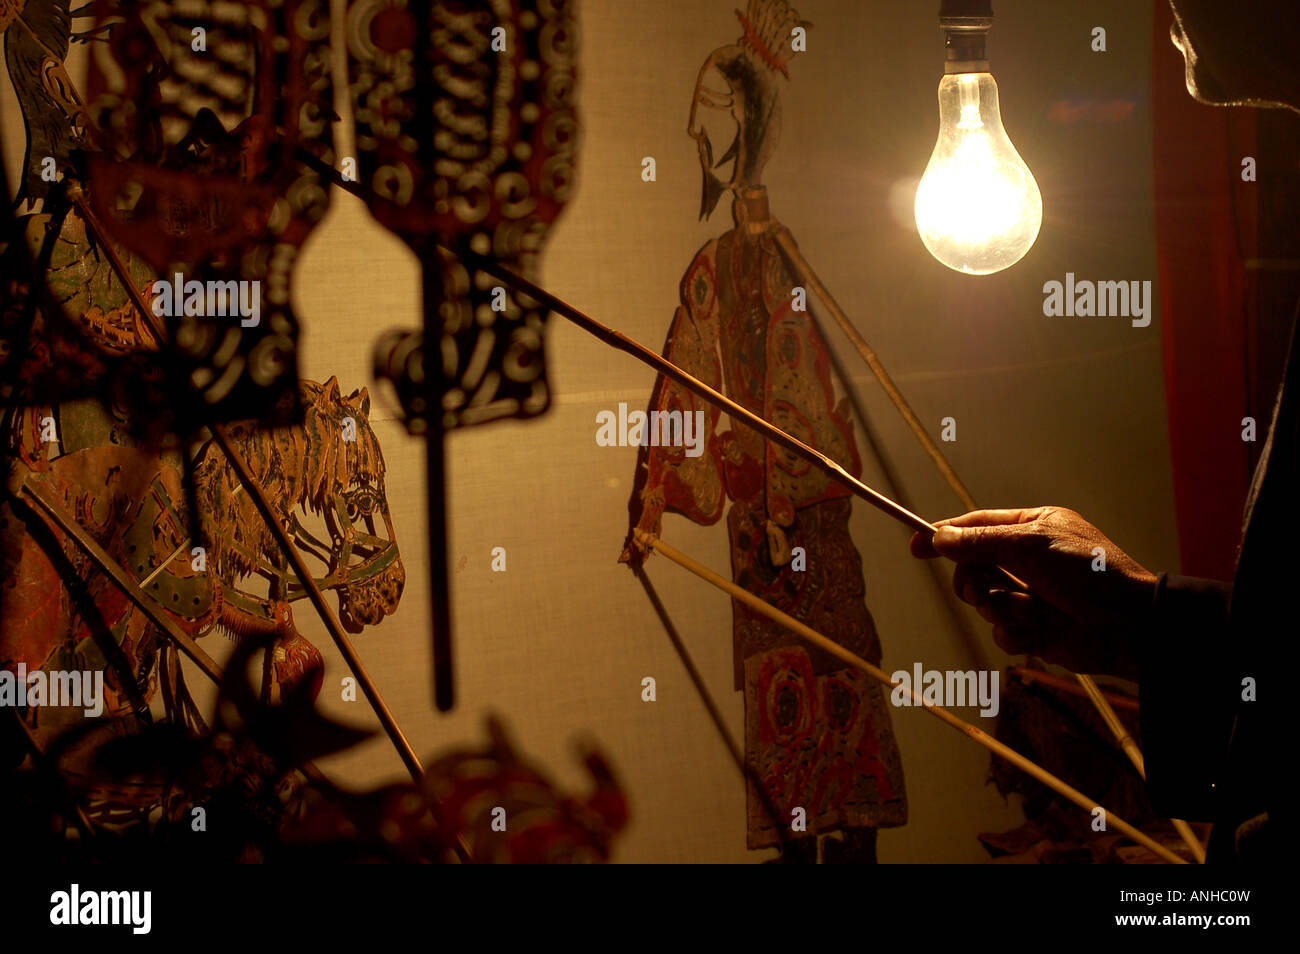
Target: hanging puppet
[
  {"x": 817, "y": 735},
  {"x": 466, "y": 141}
]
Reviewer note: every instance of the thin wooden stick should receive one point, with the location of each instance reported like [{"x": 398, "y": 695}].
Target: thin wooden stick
[
  {"x": 435, "y": 461},
  {"x": 77, "y": 195},
  {"x": 165, "y": 563},
  {"x": 983, "y": 738},
  {"x": 1117, "y": 728}
]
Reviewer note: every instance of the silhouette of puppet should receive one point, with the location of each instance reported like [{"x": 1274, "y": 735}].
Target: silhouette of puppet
[{"x": 817, "y": 734}]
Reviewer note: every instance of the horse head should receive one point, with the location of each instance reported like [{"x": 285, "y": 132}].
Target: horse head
[
  {"x": 325, "y": 481},
  {"x": 364, "y": 565}
]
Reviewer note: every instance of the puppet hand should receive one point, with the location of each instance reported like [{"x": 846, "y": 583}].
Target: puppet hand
[
  {"x": 1088, "y": 596},
  {"x": 634, "y": 551}
]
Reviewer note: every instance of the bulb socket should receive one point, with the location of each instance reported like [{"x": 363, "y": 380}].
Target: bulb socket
[
  {"x": 965, "y": 9},
  {"x": 966, "y": 25}
]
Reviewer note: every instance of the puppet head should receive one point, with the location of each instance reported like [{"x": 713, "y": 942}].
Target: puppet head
[{"x": 749, "y": 68}]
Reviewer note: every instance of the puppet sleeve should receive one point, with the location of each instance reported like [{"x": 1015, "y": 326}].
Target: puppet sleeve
[{"x": 685, "y": 477}]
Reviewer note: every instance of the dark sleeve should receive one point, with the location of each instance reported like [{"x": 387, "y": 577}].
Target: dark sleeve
[{"x": 1187, "y": 695}]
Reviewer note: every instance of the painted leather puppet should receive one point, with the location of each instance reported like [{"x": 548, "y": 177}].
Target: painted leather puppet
[{"x": 818, "y": 735}]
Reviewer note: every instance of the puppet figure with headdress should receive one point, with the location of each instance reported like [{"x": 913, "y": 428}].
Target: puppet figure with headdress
[{"x": 818, "y": 736}]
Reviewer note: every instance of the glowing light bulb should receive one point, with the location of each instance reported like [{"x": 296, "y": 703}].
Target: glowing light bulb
[{"x": 978, "y": 208}]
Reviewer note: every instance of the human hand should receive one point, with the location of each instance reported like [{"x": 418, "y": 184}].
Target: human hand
[{"x": 1087, "y": 597}]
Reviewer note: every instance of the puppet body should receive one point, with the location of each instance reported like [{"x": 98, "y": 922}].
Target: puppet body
[{"x": 818, "y": 735}]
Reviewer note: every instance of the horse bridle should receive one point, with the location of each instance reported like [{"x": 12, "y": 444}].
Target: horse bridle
[{"x": 379, "y": 552}]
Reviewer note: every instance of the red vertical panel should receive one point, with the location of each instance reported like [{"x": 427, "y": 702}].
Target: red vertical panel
[{"x": 1203, "y": 306}]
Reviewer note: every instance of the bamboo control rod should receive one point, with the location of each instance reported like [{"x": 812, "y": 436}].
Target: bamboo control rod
[{"x": 978, "y": 735}]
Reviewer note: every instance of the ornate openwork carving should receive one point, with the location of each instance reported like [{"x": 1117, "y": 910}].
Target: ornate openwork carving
[
  {"x": 466, "y": 137},
  {"x": 200, "y": 108}
]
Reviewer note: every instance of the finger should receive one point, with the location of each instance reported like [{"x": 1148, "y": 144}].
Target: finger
[
  {"x": 972, "y": 583},
  {"x": 1002, "y": 544},
  {"x": 921, "y": 548},
  {"x": 990, "y": 518},
  {"x": 1016, "y": 609},
  {"x": 1012, "y": 609},
  {"x": 1018, "y": 641}
]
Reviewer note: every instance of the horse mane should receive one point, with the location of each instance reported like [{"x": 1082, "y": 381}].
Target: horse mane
[{"x": 308, "y": 465}]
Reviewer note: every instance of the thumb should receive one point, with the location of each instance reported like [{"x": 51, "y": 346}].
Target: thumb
[{"x": 999, "y": 544}]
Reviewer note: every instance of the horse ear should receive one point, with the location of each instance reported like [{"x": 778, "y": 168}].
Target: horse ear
[
  {"x": 360, "y": 399},
  {"x": 331, "y": 390}
]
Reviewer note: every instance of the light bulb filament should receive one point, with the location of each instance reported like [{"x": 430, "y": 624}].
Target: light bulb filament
[{"x": 970, "y": 102}]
